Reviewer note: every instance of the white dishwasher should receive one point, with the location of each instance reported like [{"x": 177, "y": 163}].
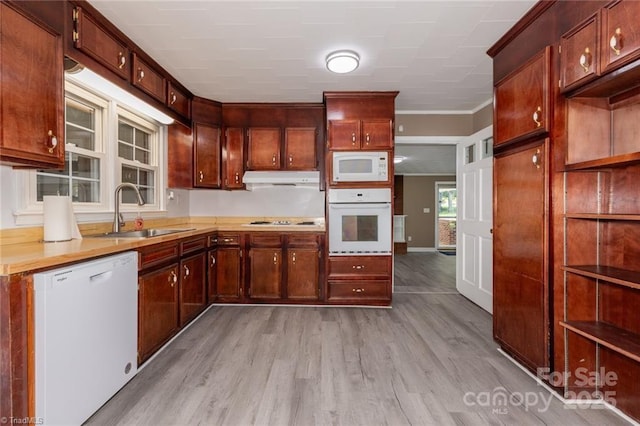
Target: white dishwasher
[{"x": 86, "y": 333}]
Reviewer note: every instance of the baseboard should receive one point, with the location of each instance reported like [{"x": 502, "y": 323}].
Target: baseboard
[{"x": 420, "y": 249}]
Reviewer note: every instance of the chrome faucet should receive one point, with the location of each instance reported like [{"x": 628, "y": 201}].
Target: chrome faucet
[{"x": 118, "y": 220}]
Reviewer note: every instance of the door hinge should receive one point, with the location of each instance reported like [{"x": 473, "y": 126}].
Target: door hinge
[
  {"x": 75, "y": 15},
  {"x": 76, "y": 37}
]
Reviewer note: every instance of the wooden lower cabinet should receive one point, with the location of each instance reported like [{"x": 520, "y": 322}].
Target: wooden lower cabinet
[
  {"x": 303, "y": 273},
  {"x": 229, "y": 274},
  {"x": 521, "y": 322},
  {"x": 193, "y": 292},
  {"x": 265, "y": 273},
  {"x": 360, "y": 279},
  {"x": 212, "y": 274},
  {"x": 157, "y": 309}
]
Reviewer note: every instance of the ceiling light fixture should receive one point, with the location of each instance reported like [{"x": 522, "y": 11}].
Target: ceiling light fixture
[{"x": 342, "y": 61}]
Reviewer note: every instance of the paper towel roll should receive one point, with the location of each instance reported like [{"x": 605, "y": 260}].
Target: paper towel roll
[{"x": 57, "y": 218}]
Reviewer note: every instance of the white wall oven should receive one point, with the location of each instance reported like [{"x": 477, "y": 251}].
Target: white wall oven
[{"x": 360, "y": 221}]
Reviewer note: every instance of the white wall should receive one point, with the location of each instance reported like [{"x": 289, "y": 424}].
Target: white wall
[
  {"x": 273, "y": 201},
  {"x": 8, "y": 196}
]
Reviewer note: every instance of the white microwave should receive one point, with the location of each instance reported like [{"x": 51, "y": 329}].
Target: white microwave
[{"x": 360, "y": 166}]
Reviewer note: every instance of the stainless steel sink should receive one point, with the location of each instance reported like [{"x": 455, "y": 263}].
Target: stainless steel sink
[{"x": 144, "y": 233}]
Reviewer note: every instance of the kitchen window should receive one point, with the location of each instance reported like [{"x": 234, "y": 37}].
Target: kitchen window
[{"x": 106, "y": 143}]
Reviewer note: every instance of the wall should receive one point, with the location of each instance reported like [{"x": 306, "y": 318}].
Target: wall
[
  {"x": 483, "y": 118},
  {"x": 419, "y": 192},
  {"x": 429, "y": 124}
]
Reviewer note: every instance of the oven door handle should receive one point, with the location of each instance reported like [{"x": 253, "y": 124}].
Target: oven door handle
[{"x": 360, "y": 206}]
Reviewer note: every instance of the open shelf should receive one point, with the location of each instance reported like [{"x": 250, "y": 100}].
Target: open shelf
[
  {"x": 613, "y": 161},
  {"x": 610, "y": 274},
  {"x": 614, "y": 338},
  {"x": 603, "y": 216}
]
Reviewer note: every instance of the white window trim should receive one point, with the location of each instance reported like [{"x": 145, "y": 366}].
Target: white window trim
[{"x": 30, "y": 213}]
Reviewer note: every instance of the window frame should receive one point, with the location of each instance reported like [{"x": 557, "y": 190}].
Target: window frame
[{"x": 29, "y": 211}]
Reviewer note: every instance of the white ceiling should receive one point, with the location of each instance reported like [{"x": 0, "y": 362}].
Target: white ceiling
[{"x": 433, "y": 52}]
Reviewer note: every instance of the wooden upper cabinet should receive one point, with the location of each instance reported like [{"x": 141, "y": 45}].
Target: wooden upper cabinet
[
  {"x": 300, "y": 148},
  {"x": 360, "y": 134},
  {"x": 94, "y": 40},
  {"x": 207, "y": 150},
  {"x": 145, "y": 77},
  {"x": 178, "y": 100},
  {"x": 522, "y": 101},
  {"x": 233, "y": 158},
  {"x": 579, "y": 53},
  {"x": 620, "y": 35},
  {"x": 263, "y": 148},
  {"x": 31, "y": 92}
]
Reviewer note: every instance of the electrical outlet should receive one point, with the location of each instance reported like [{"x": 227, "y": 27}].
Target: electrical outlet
[
  {"x": 409, "y": 238},
  {"x": 426, "y": 210}
]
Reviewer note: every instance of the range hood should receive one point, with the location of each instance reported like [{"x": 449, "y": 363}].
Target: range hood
[{"x": 309, "y": 179}]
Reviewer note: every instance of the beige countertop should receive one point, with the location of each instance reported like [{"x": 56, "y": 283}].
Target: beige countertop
[{"x": 38, "y": 255}]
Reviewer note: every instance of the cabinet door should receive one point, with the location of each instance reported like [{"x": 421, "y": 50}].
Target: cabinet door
[
  {"x": 377, "y": 134},
  {"x": 265, "y": 273},
  {"x": 620, "y": 35},
  {"x": 302, "y": 273},
  {"x": 522, "y": 101},
  {"x": 233, "y": 158},
  {"x": 520, "y": 293},
  {"x": 31, "y": 92},
  {"x": 94, "y": 40},
  {"x": 180, "y": 152},
  {"x": 263, "y": 149},
  {"x": 300, "y": 148},
  {"x": 344, "y": 134},
  {"x": 579, "y": 50},
  {"x": 178, "y": 100},
  {"x": 157, "y": 309},
  {"x": 229, "y": 274},
  {"x": 206, "y": 156},
  {"x": 212, "y": 290},
  {"x": 193, "y": 296},
  {"x": 145, "y": 77}
]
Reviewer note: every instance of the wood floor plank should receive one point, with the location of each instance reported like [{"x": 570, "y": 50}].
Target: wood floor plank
[{"x": 430, "y": 360}]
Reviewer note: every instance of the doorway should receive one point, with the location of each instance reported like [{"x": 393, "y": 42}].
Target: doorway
[{"x": 446, "y": 214}]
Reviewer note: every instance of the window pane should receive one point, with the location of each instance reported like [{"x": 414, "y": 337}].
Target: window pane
[
  {"x": 85, "y": 191},
  {"x": 129, "y": 174},
  {"x": 142, "y": 156},
  {"x": 81, "y": 117},
  {"x": 125, "y": 132},
  {"x": 145, "y": 178},
  {"x": 86, "y": 167},
  {"x": 51, "y": 185},
  {"x": 125, "y": 151},
  {"x": 81, "y": 138},
  {"x": 142, "y": 139}
]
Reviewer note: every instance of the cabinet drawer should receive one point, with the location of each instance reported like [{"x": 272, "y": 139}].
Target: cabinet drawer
[
  {"x": 178, "y": 100},
  {"x": 212, "y": 240},
  {"x": 157, "y": 254},
  {"x": 303, "y": 240},
  {"x": 148, "y": 79},
  {"x": 193, "y": 245},
  {"x": 265, "y": 240},
  {"x": 359, "y": 290},
  {"x": 94, "y": 40},
  {"x": 360, "y": 266},
  {"x": 225, "y": 239}
]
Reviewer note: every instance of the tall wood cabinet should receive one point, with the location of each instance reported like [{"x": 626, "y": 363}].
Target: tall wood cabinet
[
  {"x": 566, "y": 217},
  {"x": 31, "y": 91}
]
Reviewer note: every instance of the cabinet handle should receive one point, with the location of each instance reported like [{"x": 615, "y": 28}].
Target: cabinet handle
[
  {"x": 140, "y": 74},
  {"x": 186, "y": 271},
  {"x": 237, "y": 177},
  {"x": 52, "y": 141},
  {"x": 353, "y": 138},
  {"x": 201, "y": 176},
  {"x": 122, "y": 60},
  {"x": 367, "y": 138},
  {"x": 585, "y": 59},
  {"x": 358, "y": 290},
  {"x": 227, "y": 240},
  {"x": 273, "y": 160},
  {"x": 535, "y": 159},
  {"x": 293, "y": 257},
  {"x": 213, "y": 260},
  {"x": 537, "y": 117},
  {"x": 275, "y": 258},
  {"x": 358, "y": 267},
  {"x": 173, "y": 278},
  {"x": 173, "y": 98},
  {"x": 616, "y": 41},
  {"x": 291, "y": 159}
]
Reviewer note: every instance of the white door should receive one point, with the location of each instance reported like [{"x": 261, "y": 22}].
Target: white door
[{"x": 474, "y": 250}]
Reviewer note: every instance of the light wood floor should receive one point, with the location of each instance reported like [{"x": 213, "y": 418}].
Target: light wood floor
[{"x": 428, "y": 361}]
